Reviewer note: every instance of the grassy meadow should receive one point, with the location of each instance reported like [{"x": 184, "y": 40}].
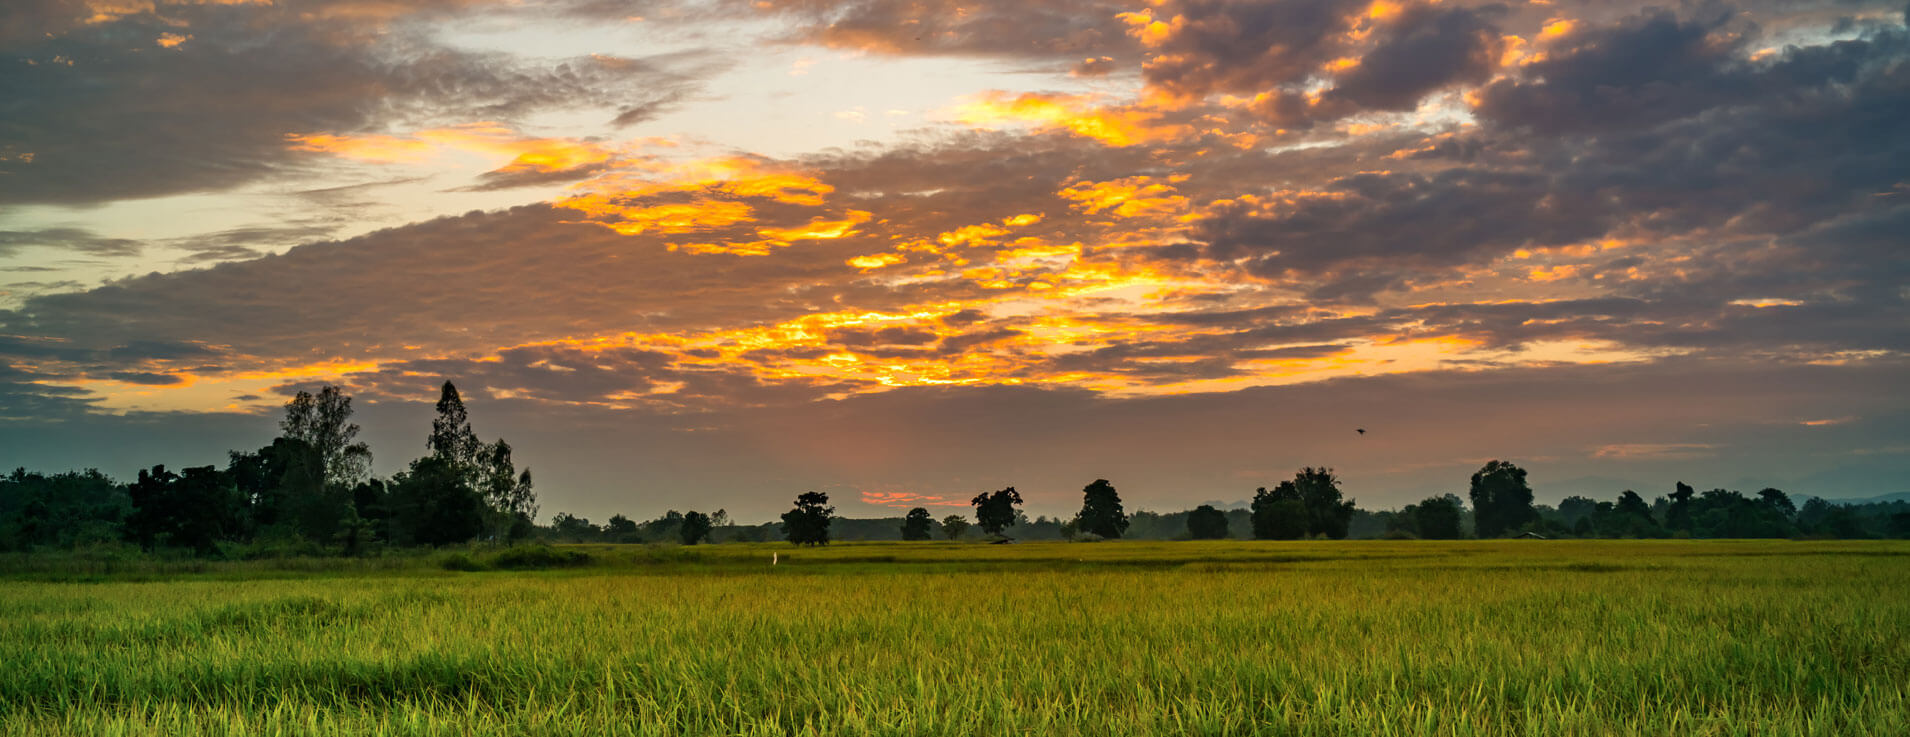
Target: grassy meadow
[{"x": 1119, "y": 638}]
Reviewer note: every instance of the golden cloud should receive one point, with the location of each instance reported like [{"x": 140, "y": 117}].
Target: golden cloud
[{"x": 1113, "y": 126}]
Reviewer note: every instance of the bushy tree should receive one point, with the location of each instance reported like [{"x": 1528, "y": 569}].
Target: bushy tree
[
  {"x": 621, "y": 529},
  {"x": 1633, "y": 505},
  {"x": 1101, "y": 512},
  {"x": 193, "y": 509},
  {"x": 1501, "y": 500},
  {"x": 269, "y": 480},
  {"x": 918, "y": 525},
  {"x": 808, "y": 522},
  {"x": 954, "y": 526},
  {"x": 1778, "y": 501},
  {"x": 1206, "y": 523},
  {"x": 61, "y": 510},
  {"x": 322, "y": 422},
  {"x": 571, "y": 527},
  {"x": 695, "y": 528},
  {"x": 1576, "y": 509},
  {"x": 1436, "y": 518},
  {"x": 1327, "y": 514},
  {"x": 1279, "y": 514},
  {"x": 996, "y": 512},
  {"x": 432, "y": 503}
]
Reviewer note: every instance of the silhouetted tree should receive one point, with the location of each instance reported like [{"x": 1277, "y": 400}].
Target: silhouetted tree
[
  {"x": 621, "y": 529},
  {"x": 996, "y": 512},
  {"x": 433, "y": 504},
  {"x": 808, "y": 523},
  {"x": 507, "y": 493},
  {"x": 192, "y": 509},
  {"x": 1206, "y": 523},
  {"x": 954, "y": 526},
  {"x": 1632, "y": 505},
  {"x": 370, "y": 517},
  {"x": 1501, "y": 500},
  {"x": 1899, "y": 525},
  {"x": 271, "y": 481},
  {"x": 1279, "y": 514},
  {"x": 451, "y": 441},
  {"x": 1779, "y": 501},
  {"x": 695, "y": 528},
  {"x": 918, "y": 525},
  {"x": 1678, "y": 514},
  {"x": 1575, "y": 509},
  {"x": 570, "y": 527},
  {"x": 1437, "y": 518},
  {"x": 1326, "y": 513},
  {"x": 61, "y": 510},
  {"x": 1101, "y": 512},
  {"x": 323, "y": 423}
]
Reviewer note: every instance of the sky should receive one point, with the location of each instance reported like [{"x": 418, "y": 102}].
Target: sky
[{"x": 699, "y": 255}]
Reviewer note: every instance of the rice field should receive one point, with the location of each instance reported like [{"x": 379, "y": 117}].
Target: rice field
[{"x": 1120, "y": 638}]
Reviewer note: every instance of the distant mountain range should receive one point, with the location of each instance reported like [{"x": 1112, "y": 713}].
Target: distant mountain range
[{"x": 1901, "y": 496}]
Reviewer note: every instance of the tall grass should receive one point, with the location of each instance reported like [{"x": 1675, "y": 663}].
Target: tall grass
[{"x": 1504, "y": 638}]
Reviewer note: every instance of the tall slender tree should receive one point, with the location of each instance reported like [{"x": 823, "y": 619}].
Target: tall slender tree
[
  {"x": 487, "y": 468},
  {"x": 451, "y": 439},
  {"x": 507, "y": 492}
]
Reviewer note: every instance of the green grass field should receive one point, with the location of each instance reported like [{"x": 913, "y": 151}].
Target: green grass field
[{"x": 1345, "y": 638}]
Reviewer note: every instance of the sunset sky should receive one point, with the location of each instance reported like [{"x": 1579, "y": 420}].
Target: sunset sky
[{"x": 694, "y": 255}]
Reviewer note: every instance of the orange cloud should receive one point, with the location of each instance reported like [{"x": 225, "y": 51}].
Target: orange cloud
[
  {"x": 904, "y": 500},
  {"x": 1557, "y": 27},
  {"x": 699, "y": 196},
  {"x": 1075, "y": 114},
  {"x": 818, "y": 228},
  {"x": 1127, "y": 197},
  {"x": 106, "y": 11},
  {"x": 877, "y": 261},
  {"x": 1151, "y": 31},
  {"x": 522, "y": 154}
]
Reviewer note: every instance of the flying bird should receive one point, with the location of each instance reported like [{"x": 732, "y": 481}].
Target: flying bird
[{"x": 1360, "y": 430}]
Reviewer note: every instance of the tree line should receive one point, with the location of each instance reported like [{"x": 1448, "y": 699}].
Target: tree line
[
  {"x": 1498, "y": 503},
  {"x": 310, "y": 491}
]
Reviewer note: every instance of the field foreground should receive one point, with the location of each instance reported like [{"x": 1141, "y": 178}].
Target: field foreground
[{"x": 1345, "y": 638}]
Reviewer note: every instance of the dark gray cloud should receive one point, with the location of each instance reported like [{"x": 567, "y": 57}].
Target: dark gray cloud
[
  {"x": 1648, "y": 70},
  {"x": 71, "y": 240},
  {"x": 26, "y": 397},
  {"x": 1428, "y": 47},
  {"x": 1405, "y": 219},
  {"x": 107, "y": 113},
  {"x": 1247, "y": 47},
  {"x": 146, "y": 378},
  {"x": 1042, "y": 30}
]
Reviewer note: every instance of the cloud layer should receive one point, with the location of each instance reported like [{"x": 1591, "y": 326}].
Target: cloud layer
[{"x": 1210, "y": 203}]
